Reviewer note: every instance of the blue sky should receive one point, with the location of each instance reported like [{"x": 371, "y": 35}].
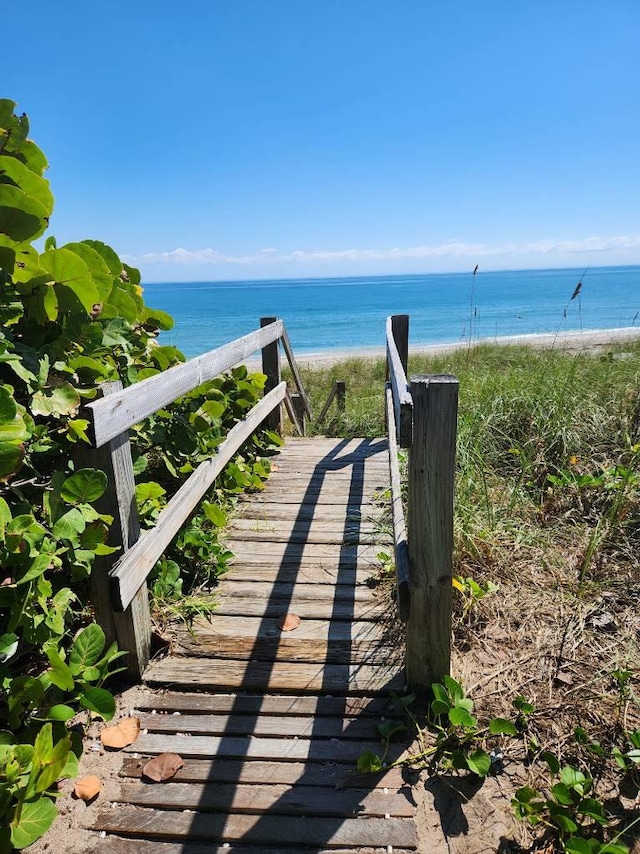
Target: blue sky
[{"x": 238, "y": 139}]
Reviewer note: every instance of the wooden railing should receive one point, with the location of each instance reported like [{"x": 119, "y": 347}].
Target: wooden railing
[
  {"x": 422, "y": 416},
  {"x": 119, "y": 589}
]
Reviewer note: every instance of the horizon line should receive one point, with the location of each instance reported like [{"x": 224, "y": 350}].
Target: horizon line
[{"x": 469, "y": 271}]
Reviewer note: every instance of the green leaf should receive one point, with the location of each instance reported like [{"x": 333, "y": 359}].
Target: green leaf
[
  {"x": 500, "y": 726},
  {"x": 12, "y": 425},
  {"x": 8, "y": 646},
  {"x": 149, "y": 491},
  {"x": 87, "y": 648},
  {"x": 29, "y": 182},
  {"x": 461, "y": 717},
  {"x": 60, "y": 674},
  {"x": 59, "y": 712},
  {"x": 35, "y": 818},
  {"x": 552, "y": 761},
  {"x": 70, "y": 525},
  {"x": 21, "y": 217},
  {"x": 74, "y": 285},
  {"x": 36, "y": 568},
  {"x": 479, "y": 762},
  {"x": 214, "y": 514},
  {"x": 100, "y": 273},
  {"x": 369, "y": 763},
  {"x": 160, "y": 319},
  {"x": 62, "y": 400},
  {"x": 85, "y": 486},
  {"x": 99, "y": 701},
  {"x": 523, "y": 706}
]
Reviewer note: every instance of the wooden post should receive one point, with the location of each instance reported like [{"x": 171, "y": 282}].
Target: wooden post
[
  {"x": 271, "y": 367},
  {"x": 297, "y": 401},
  {"x": 341, "y": 394},
  {"x": 400, "y": 329},
  {"x": 430, "y": 528},
  {"x": 131, "y": 629}
]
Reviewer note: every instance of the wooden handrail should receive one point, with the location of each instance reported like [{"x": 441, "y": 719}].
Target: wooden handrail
[
  {"x": 423, "y": 417},
  {"x": 401, "y": 548},
  {"x": 120, "y": 584},
  {"x": 131, "y": 571},
  {"x": 114, "y": 414},
  {"x": 401, "y": 395}
]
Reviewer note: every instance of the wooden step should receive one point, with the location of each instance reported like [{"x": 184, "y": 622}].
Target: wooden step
[
  {"x": 267, "y": 704},
  {"x": 263, "y": 726},
  {"x": 277, "y": 677},
  {"x": 259, "y": 830},
  {"x": 251, "y": 638},
  {"x": 323, "y": 774},
  {"x": 261, "y": 799}
]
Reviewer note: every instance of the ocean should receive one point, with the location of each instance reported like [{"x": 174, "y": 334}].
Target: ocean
[{"x": 349, "y": 313}]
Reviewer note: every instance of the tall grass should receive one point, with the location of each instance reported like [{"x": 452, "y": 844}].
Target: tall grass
[{"x": 525, "y": 416}]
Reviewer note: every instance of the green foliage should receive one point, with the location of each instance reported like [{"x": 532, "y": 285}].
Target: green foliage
[
  {"x": 73, "y": 317},
  {"x": 570, "y": 810}
]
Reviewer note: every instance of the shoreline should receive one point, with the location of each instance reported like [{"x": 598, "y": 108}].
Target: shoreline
[{"x": 591, "y": 340}]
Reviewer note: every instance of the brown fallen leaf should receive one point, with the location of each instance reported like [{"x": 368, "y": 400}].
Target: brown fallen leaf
[
  {"x": 122, "y": 734},
  {"x": 88, "y": 788},
  {"x": 163, "y": 767},
  {"x": 288, "y": 622}
]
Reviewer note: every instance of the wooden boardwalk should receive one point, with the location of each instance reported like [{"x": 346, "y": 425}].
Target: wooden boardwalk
[{"x": 270, "y": 724}]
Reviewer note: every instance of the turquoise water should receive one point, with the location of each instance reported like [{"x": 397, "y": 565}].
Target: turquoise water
[{"x": 349, "y": 313}]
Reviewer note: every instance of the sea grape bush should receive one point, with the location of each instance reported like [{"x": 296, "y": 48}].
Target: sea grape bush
[{"x": 73, "y": 317}]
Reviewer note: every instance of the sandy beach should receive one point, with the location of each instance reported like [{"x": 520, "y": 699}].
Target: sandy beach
[{"x": 589, "y": 340}]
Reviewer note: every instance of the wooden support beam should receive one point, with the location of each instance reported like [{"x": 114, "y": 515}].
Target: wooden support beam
[
  {"x": 430, "y": 528},
  {"x": 272, "y": 368},
  {"x": 131, "y": 629}
]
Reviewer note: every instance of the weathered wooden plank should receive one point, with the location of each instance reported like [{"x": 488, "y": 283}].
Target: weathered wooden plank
[
  {"x": 274, "y": 799},
  {"x": 112, "y": 416},
  {"x": 364, "y": 729},
  {"x": 265, "y": 830},
  {"x": 288, "y": 349},
  {"x": 336, "y": 523},
  {"x": 280, "y": 649},
  {"x": 276, "y": 511},
  {"x": 306, "y": 530},
  {"x": 284, "y": 677},
  {"x": 322, "y": 774},
  {"x": 304, "y": 608},
  {"x": 309, "y": 553},
  {"x": 120, "y": 845},
  {"x": 218, "y": 626},
  {"x": 315, "y": 534},
  {"x": 401, "y": 549},
  {"x": 266, "y": 704},
  {"x": 322, "y": 500},
  {"x": 403, "y": 406},
  {"x": 272, "y": 370},
  {"x": 131, "y": 629},
  {"x": 430, "y": 527},
  {"x": 230, "y": 586},
  {"x": 131, "y": 571},
  {"x": 275, "y": 749},
  {"x": 311, "y": 574}
]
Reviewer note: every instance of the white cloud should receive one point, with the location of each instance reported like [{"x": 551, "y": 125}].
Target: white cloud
[{"x": 450, "y": 249}]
